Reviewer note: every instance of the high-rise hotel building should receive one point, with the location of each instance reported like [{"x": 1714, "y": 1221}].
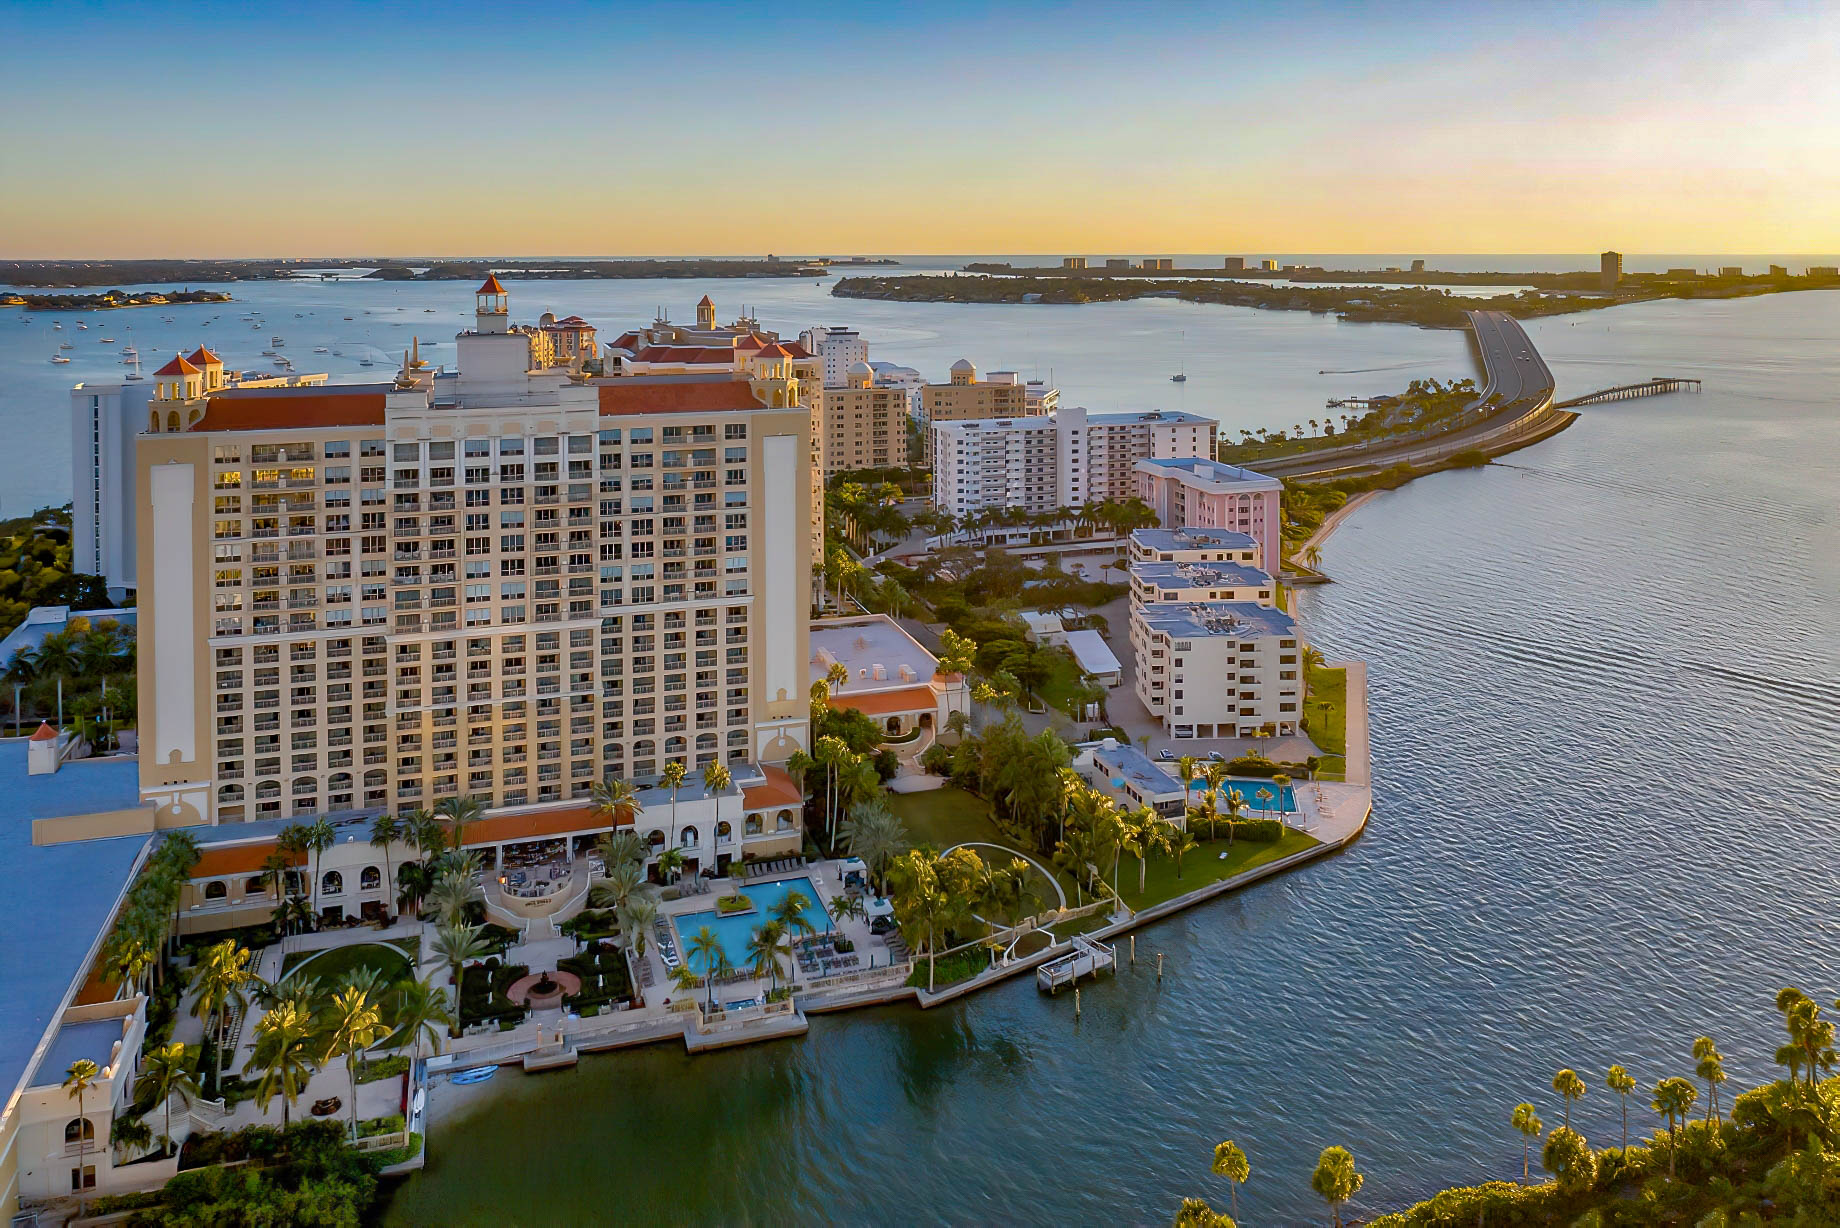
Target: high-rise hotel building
[{"x": 502, "y": 582}]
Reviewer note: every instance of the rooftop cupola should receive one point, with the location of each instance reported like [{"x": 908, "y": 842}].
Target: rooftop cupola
[
  {"x": 706, "y": 313},
  {"x": 491, "y": 307}
]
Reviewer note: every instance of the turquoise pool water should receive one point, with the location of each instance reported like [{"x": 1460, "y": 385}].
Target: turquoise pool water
[
  {"x": 734, "y": 931},
  {"x": 1281, "y": 800}
]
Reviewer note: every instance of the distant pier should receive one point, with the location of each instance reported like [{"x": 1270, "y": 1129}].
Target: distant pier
[{"x": 1623, "y": 392}]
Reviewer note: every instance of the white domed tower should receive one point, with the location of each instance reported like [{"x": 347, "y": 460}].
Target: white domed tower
[
  {"x": 858, "y": 375},
  {"x": 491, "y": 307},
  {"x": 963, "y": 372}
]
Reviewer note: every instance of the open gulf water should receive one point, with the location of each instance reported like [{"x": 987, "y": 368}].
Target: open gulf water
[{"x": 1604, "y": 677}]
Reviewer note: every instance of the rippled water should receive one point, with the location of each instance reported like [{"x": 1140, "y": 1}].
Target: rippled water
[{"x": 1604, "y": 719}]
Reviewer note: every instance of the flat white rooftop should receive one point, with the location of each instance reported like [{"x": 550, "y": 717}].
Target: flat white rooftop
[{"x": 862, "y": 644}]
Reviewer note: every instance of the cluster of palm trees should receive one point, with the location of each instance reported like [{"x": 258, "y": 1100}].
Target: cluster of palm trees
[
  {"x": 148, "y": 923},
  {"x": 92, "y": 663},
  {"x": 770, "y": 942},
  {"x": 938, "y": 895},
  {"x": 847, "y": 778}
]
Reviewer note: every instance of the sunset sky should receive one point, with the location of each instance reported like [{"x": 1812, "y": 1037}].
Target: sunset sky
[{"x": 202, "y": 130}]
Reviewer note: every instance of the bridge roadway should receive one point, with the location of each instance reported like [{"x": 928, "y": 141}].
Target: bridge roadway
[{"x": 1516, "y": 396}]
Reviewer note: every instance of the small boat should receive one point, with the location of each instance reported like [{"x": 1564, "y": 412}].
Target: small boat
[
  {"x": 319, "y": 349},
  {"x": 108, "y": 341},
  {"x": 256, "y": 327},
  {"x": 81, "y": 324},
  {"x": 56, "y": 327},
  {"x": 65, "y": 345},
  {"x": 277, "y": 341},
  {"x": 1178, "y": 378},
  {"x": 478, "y": 1074},
  {"x": 348, "y": 317},
  {"x": 365, "y": 362},
  {"x": 268, "y": 353},
  {"x": 59, "y": 358},
  {"x": 129, "y": 352}
]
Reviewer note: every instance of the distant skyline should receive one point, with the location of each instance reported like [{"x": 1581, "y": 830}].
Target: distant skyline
[{"x": 168, "y": 130}]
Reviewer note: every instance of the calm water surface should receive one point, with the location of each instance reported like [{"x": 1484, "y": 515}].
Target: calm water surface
[{"x": 1605, "y": 729}]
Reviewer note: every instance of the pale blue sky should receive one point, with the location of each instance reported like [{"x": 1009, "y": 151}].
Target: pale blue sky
[{"x": 201, "y": 129}]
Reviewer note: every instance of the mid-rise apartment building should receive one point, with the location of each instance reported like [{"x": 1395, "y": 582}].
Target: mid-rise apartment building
[
  {"x": 1195, "y": 546},
  {"x": 865, "y": 424},
  {"x": 1185, "y": 583},
  {"x": 966, "y": 398},
  {"x": 1218, "y": 669},
  {"x": 838, "y": 349},
  {"x": 1203, "y": 493},
  {"x": 500, "y": 582},
  {"x": 1064, "y": 459}
]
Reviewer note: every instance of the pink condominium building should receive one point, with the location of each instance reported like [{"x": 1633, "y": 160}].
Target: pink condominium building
[{"x": 1191, "y": 493}]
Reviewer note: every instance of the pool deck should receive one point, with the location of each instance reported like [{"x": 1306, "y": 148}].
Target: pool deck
[{"x": 1334, "y": 813}]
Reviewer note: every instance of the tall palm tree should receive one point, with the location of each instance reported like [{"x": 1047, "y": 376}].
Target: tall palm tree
[
  {"x": 222, "y": 977},
  {"x": 452, "y": 893},
  {"x": 764, "y": 949},
  {"x": 1673, "y": 1100},
  {"x": 283, "y": 1055},
  {"x": 672, "y": 778},
  {"x": 275, "y": 869},
  {"x": 636, "y": 922},
  {"x": 1336, "y": 1180},
  {"x": 319, "y": 837},
  {"x": 1185, "y": 769},
  {"x": 789, "y": 912},
  {"x": 612, "y": 797},
  {"x": 1528, "y": 1122},
  {"x": 1145, "y": 832},
  {"x": 291, "y": 842},
  {"x": 708, "y": 948},
  {"x": 846, "y": 908},
  {"x": 1230, "y": 1162},
  {"x": 456, "y": 944},
  {"x": 1571, "y": 1087},
  {"x": 623, "y": 879},
  {"x": 459, "y": 811},
  {"x": 875, "y": 834},
  {"x": 621, "y": 848},
  {"x": 78, "y": 1080},
  {"x": 386, "y": 830},
  {"x": 354, "y": 1022},
  {"x": 1181, "y": 841},
  {"x": 1622, "y": 1083},
  {"x": 417, "y": 1008},
  {"x": 1711, "y": 1068},
  {"x": 168, "y": 1072}
]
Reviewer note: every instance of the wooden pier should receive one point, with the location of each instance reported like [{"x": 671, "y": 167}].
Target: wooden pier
[
  {"x": 1089, "y": 957},
  {"x": 1623, "y": 392}
]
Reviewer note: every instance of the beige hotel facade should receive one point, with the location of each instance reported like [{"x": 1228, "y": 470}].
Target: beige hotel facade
[{"x": 500, "y": 582}]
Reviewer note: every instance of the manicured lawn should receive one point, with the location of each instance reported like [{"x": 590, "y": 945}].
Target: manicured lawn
[
  {"x": 332, "y": 965},
  {"x": 1325, "y": 713},
  {"x": 1202, "y": 866},
  {"x": 1063, "y": 683},
  {"x": 945, "y": 817}
]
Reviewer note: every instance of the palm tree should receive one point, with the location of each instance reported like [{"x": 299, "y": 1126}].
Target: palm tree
[
  {"x": 1529, "y": 1124},
  {"x": 705, "y": 944},
  {"x": 1571, "y": 1087},
  {"x": 764, "y": 949},
  {"x": 417, "y": 1008},
  {"x": 78, "y": 1080},
  {"x": 612, "y": 797},
  {"x": 275, "y": 869},
  {"x": 459, "y": 811},
  {"x": 284, "y": 1039},
  {"x": 319, "y": 837},
  {"x": 222, "y": 976},
  {"x": 1622, "y": 1083},
  {"x": 636, "y": 921},
  {"x": 1711, "y": 1068},
  {"x": 621, "y": 848},
  {"x": 1181, "y": 841},
  {"x": 452, "y": 892},
  {"x": 790, "y": 913},
  {"x": 845, "y": 908},
  {"x": 354, "y": 1023},
  {"x": 385, "y": 831},
  {"x": 1185, "y": 770},
  {"x": 623, "y": 879},
  {"x": 670, "y": 864},
  {"x": 875, "y": 834},
  {"x": 456, "y": 944},
  {"x": 169, "y": 1074},
  {"x": 672, "y": 778},
  {"x": 1230, "y": 1162},
  {"x": 1145, "y": 832},
  {"x": 1336, "y": 1180},
  {"x": 716, "y": 777},
  {"x": 1673, "y": 1100}
]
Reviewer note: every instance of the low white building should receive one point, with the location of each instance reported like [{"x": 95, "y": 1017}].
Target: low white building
[
  {"x": 59, "y": 1151},
  {"x": 1043, "y": 628},
  {"x": 1218, "y": 669},
  {"x": 892, "y": 678},
  {"x": 1131, "y": 778},
  {"x": 1094, "y": 658}
]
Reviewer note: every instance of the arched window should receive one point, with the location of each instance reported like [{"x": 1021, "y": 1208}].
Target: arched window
[
  {"x": 331, "y": 883},
  {"x": 705, "y": 741},
  {"x": 79, "y": 1129},
  {"x": 724, "y": 831},
  {"x": 338, "y": 781},
  {"x": 230, "y": 793},
  {"x": 172, "y": 420},
  {"x": 656, "y": 839},
  {"x": 783, "y": 820},
  {"x": 374, "y": 778},
  {"x": 268, "y": 788},
  {"x": 674, "y": 746},
  {"x": 153, "y": 422},
  {"x": 894, "y": 724},
  {"x": 369, "y": 878},
  {"x": 753, "y": 825},
  {"x": 216, "y": 891},
  {"x": 255, "y": 886},
  {"x": 687, "y": 838}
]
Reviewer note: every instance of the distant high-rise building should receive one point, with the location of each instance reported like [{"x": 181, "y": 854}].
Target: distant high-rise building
[
  {"x": 1779, "y": 270},
  {"x": 1117, "y": 262},
  {"x": 1270, "y": 266},
  {"x": 1158, "y": 262},
  {"x": 1610, "y": 265},
  {"x": 1073, "y": 262},
  {"x": 1823, "y": 270},
  {"x": 1418, "y": 266},
  {"x": 1235, "y": 264},
  {"x": 1731, "y": 270}
]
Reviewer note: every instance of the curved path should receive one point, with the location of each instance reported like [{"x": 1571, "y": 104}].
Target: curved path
[{"x": 1004, "y": 848}]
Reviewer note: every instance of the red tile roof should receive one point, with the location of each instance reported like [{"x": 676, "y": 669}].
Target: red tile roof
[
  {"x": 667, "y": 394},
  {"x": 222, "y": 861},
  {"x": 778, "y": 791},
  {"x": 201, "y": 357},
  {"x": 535, "y": 825},
  {"x": 249, "y": 410},
  {"x": 705, "y": 301},
  {"x": 492, "y": 286},
  {"x": 178, "y": 366},
  {"x": 796, "y": 350},
  {"x": 888, "y": 703},
  {"x": 774, "y": 350},
  {"x": 685, "y": 354},
  {"x": 627, "y": 341},
  {"x": 45, "y": 733}
]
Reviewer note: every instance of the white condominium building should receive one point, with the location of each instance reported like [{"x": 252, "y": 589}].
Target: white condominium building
[
  {"x": 837, "y": 348},
  {"x": 1161, "y": 583},
  {"x": 1195, "y": 546},
  {"x": 498, "y": 582},
  {"x": 1064, "y": 459},
  {"x": 1218, "y": 669}
]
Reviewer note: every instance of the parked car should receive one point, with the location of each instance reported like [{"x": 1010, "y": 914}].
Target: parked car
[{"x": 1167, "y": 756}]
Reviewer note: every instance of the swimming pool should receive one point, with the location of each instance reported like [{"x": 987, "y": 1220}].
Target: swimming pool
[
  {"x": 734, "y": 931},
  {"x": 1282, "y": 801}
]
